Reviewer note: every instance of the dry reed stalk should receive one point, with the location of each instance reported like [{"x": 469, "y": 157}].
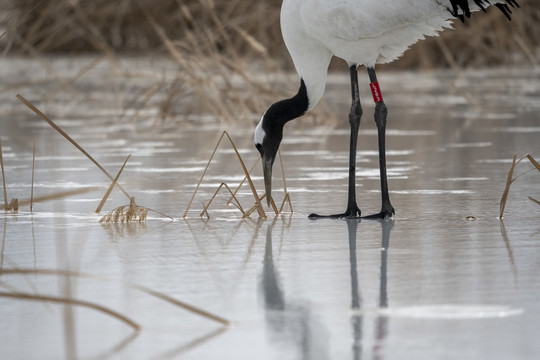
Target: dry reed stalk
[
  {"x": 33, "y": 167},
  {"x": 534, "y": 200},
  {"x": 59, "y": 195},
  {"x": 111, "y": 187},
  {"x": 243, "y": 181},
  {"x": 3, "y": 176},
  {"x": 70, "y": 301},
  {"x": 258, "y": 203},
  {"x": 148, "y": 94},
  {"x": 510, "y": 179},
  {"x": 140, "y": 288},
  {"x": 236, "y": 202},
  {"x": 286, "y": 199},
  {"x": 534, "y": 162},
  {"x": 65, "y": 135}
]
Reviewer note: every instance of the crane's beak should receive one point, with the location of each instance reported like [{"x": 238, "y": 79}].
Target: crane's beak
[{"x": 267, "y": 171}]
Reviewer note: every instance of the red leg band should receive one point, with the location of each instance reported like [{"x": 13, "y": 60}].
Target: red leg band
[{"x": 376, "y": 92}]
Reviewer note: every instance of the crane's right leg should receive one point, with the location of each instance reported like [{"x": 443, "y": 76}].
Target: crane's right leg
[{"x": 354, "y": 120}]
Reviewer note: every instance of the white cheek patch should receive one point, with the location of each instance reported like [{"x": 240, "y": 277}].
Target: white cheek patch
[{"x": 259, "y": 133}]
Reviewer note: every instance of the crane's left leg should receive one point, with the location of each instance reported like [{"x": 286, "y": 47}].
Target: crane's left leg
[{"x": 381, "y": 113}]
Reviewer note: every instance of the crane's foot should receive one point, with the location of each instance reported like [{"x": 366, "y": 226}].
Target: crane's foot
[
  {"x": 386, "y": 213},
  {"x": 353, "y": 212}
]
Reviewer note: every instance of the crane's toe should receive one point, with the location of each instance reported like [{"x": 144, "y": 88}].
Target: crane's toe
[
  {"x": 351, "y": 213},
  {"x": 384, "y": 214}
]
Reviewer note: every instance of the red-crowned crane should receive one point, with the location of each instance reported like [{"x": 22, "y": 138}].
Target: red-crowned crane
[{"x": 362, "y": 32}]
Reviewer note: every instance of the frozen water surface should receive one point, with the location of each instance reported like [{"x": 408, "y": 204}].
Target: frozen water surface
[{"x": 444, "y": 280}]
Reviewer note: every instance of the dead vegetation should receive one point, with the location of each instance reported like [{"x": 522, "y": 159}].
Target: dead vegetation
[
  {"x": 230, "y": 57},
  {"x": 246, "y": 29},
  {"x": 511, "y": 178},
  {"x": 123, "y": 214},
  {"x": 246, "y": 212}
]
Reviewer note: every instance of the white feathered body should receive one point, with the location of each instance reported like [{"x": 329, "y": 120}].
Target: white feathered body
[{"x": 362, "y": 32}]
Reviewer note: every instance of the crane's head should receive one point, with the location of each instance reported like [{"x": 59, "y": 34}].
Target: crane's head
[
  {"x": 269, "y": 132},
  {"x": 267, "y": 139}
]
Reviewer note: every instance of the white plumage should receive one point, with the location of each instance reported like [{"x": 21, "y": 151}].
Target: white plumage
[{"x": 361, "y": 32}]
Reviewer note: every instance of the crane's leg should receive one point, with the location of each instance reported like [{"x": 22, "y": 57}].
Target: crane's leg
[
  {"x": 354, "y": 120},
  {"x": 380, "y": 119}
]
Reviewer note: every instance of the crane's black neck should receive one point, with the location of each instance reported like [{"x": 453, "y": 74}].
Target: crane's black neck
[{"x": 286, "y": 110}]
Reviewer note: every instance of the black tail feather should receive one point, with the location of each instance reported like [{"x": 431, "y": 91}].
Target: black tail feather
[
  {"x": 460, "y": 8},
  {"x": 505, "y": 10}
]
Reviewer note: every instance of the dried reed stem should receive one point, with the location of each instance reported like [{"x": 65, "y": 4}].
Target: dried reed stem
[
  {"x": 258, "y": 203},
  {"x": 65, "y": 135},
  {"x": 536, "y": 165},
  {"x": 45, "y": 298},
  {"x": 111, "y": 187},
  {"x": 33, "y": 167},
  {"x": 534, "y": 200},
  {"x": 205, "y": 209},
  {"x": 3, "y": 176},
  {"x": 243, "y": 181},
  {"x": 60, "y": 195},
  {"x": 510, "y": 179}
]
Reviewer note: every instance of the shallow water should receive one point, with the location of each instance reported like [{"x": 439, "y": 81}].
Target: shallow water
[{"x": 433, "y": 283}]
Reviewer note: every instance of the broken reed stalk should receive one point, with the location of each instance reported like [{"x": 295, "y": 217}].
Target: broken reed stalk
[
  {"x": 258, "y": 203},
  {"x": 70, "y": 301},
  {"x": 65, "y": 135},
  {"x": 109, "y": 190},
  {"x": 140, "y": 288},
  {"x": 3, "y": 176},
  {"x": 33, "y": 167}
]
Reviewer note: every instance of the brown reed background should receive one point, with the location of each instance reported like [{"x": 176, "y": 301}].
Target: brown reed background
[
  {"x": 216, "y": 42},
  {"x": 249, "y": 28}
]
